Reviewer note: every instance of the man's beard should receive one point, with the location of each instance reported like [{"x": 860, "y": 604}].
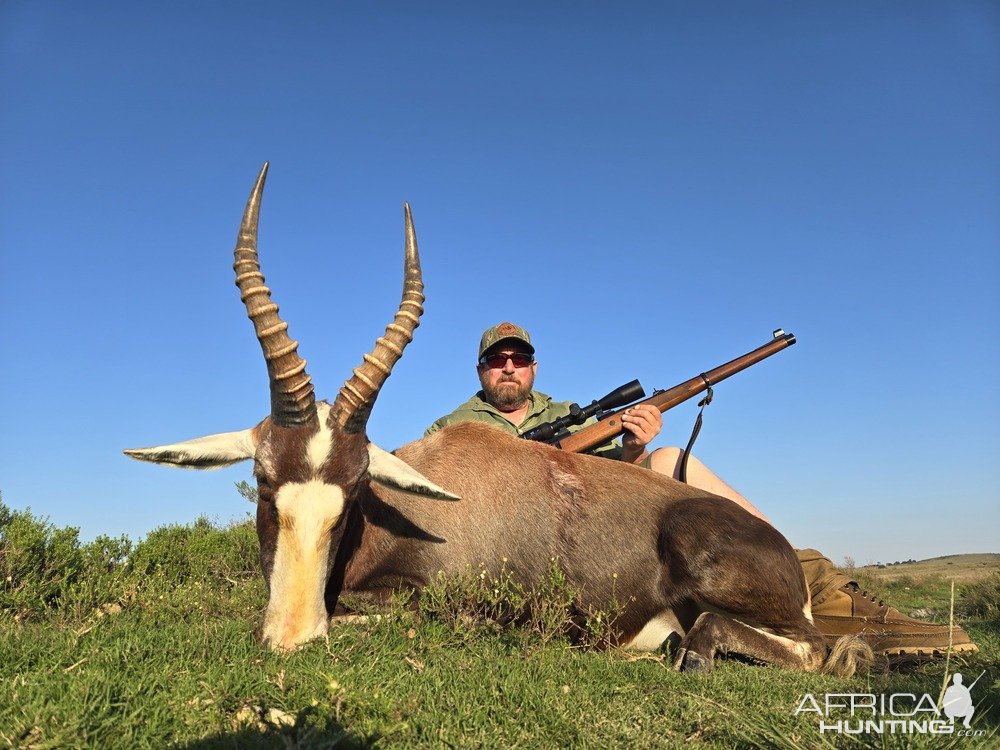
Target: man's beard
[{"x": 508, "y": 394}]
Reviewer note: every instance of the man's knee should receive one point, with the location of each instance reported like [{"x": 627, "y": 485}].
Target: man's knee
[{"x": 666, "y": 461}]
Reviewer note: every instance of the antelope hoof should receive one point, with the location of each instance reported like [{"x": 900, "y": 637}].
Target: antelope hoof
[
  {"x": 679, "y": 658},
  {"x": 690, "y": 661}
]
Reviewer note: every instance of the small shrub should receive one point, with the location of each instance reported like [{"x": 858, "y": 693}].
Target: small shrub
[
  {"x": 552, "y": 609},
  {"x": 38, "y": 562},
  {"x": 548, "y": 609},
  {"x": 980, "y": 599},
  {"x": 103, "y": 578},
  {"x": 904, "y": 582},
  {"x": 473, "y": 599},
  {"x": 175, "y": 554},
  {"x": 247, "y": 491},
  {"x": 196, "y": 572},
  {"x": 45, "y": 569}
]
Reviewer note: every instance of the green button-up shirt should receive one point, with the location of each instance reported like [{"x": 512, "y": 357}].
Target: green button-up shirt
[{"x": 543, "y": 409}]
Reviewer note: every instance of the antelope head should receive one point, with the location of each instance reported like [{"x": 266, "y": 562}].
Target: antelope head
[{"x": 311, "y": 460}]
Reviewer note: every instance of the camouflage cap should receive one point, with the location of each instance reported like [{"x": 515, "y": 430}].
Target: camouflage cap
[{"x": 496, "y": 334}]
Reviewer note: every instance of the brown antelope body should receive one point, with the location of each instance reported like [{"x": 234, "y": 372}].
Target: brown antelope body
[{"x": 336, "y": 513}]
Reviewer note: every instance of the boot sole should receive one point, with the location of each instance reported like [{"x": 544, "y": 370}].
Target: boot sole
[{"x": 928, "y": 650}]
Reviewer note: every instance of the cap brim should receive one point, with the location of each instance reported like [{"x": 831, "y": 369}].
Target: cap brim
[{"x": 520, "y": 341}]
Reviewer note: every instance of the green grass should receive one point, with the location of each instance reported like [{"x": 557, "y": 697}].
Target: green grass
[{"x": 178, "y": 667}]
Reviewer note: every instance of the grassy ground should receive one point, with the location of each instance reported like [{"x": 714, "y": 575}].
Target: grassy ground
[
  {"x": 923, "y": 588},
  {"x": 176, "y": 666}
]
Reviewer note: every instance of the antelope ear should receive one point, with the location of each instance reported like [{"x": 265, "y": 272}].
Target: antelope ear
[
  {"x": 394, "y": 472},
  {"x": 209, "y": 452}
]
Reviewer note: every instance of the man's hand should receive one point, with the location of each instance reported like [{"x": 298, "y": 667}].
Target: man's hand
[{"x": 642, "y": 423}]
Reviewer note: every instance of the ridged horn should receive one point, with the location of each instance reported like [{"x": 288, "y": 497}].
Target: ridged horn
[
  {"x": 357, "y": 396},
  {"x": 293, "y": 401}
]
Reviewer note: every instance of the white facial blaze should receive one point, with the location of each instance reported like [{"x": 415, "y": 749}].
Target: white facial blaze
[
  {"x": 320, "y": 443},
  {"x": 307, "y": 511}
]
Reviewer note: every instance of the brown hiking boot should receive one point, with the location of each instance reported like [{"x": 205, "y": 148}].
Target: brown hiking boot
[
  {"x": 840, "y": 607},
  {"x": 851, "y": 611}
]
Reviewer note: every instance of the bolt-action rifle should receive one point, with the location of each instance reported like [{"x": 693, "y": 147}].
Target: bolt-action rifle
[
  {"x": 552, "y": 432},
  {"x": 609, "y": 426}
]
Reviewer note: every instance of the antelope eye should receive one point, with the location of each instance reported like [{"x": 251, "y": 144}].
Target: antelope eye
[{"x": 263, "y": 483}]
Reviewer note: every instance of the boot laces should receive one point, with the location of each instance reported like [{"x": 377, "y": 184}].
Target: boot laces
[{"x": 864, "y": 592}]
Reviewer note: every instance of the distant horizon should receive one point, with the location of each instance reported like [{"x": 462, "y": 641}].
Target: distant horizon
[{"x": 936, "y": 557}]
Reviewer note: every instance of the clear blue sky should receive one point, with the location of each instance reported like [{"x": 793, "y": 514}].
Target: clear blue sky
[{"x": 650, "y": 188}]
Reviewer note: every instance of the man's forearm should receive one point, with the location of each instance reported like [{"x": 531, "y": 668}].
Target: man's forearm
[{"x": 634, "y": 455}]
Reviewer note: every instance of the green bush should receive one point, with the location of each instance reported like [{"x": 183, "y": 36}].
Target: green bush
[
  {"x": 201, "y": 551},
  {"x": 196, "y": 572},
  {"x": 981, "y": 599},
  {"x": 102, "y": 579},
  {"x": 38, "y": 562},
  {"x": 45, "y": 569},
  {"x": 548, "y": 609}
]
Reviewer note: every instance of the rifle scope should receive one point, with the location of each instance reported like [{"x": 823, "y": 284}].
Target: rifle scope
[{"x": 620, "y": 396}]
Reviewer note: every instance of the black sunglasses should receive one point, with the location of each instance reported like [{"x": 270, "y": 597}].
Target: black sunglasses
[{"x": 498, "y": 361}]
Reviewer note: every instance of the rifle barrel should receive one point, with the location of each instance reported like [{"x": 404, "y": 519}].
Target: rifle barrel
[{"x": 611, "y": 426}]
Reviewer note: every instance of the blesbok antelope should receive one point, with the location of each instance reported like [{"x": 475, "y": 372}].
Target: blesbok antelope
[{"x": 337, "y": 513}]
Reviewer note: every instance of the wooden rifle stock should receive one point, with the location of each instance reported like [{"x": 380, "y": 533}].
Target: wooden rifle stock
[{"x": 611, "y": 426}]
